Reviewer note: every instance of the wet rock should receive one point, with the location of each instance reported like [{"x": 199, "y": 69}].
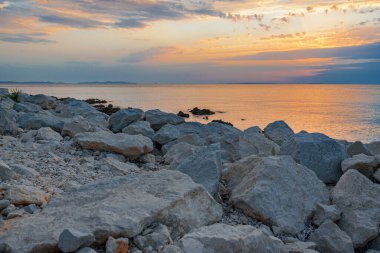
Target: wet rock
[
  {"x": 76, "y": 125},
  {"x": 25, "y": 195},
  {"x": 47, "y": 134},
  {"x": 278, "y": 132},
  {"x": 70, "y": 240},
  {"x": 224, "y": 238},
  {"x": 325, "y": 212},
  {"x": 127, "y": 145},
  {"x": 330, "y": 239},
  {"x": 359, "y": 200},
  {"x": 197, "y": 111},
  {"x": 158, "y": 119},
  {"x": 317, "y": 152},
  {"x": 37, "y": 120},
  {"x": 104, "y": 208},
  {"x": 357, "y": 148},
  {"x": 8, "y": 125},
  {"x": 6, "y": 173},
  {"x": 123, "y": 118},
  {"x": 154, "y": 238},
  {"x": 139, "y": 127},
  {"x": 183, "y": 115},
  {"x": 119, "y": 245},
  {"x": 44, "y": 101},
  {"x": 256, "y": 182},
  {"x": 362, "y": 163}
]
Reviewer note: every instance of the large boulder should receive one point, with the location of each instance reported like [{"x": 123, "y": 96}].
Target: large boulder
[
  {"x": 76, "y": 125},
  {"x": 6, "y": 173},
  {"x": 6, "y": 103},
  {"x": 253, "y": 143},
  {"x": 359, "y": 200},
  {"x": 275, "y": 190},
  {"x": 223, "y": 238},
  {"x": 158, "y": 119},
  {"x": 139, "y": 127},
  {"x": 37, "y": 120},
  {"x": 278, "y": 131},
  {"x": 166, "y": 134},
  {"x": 204, "y": 167},
  {"x": 4, "y": 92},
  {"x": 73, "y": 107},
  {"x": 8, "y": 124},
  {"x": 373, "y": 147},
  {"x": 119, "y": 207},
  {"x": 317, "y": 152},
  {"x": 26, "y": 107},
  {"x": 123, "y": 118},
  {"x": 44, "y": 101},
  {"x": 127, "y": 145},
  {"x": 193, "y": 139},
  {"x": 367, "y": 165},
  {"x": 357, "y": 148},
  {"x": 178, "y": 152},
  {"x": 326, "y": 212},
  {"x": 47, "y": 134},
  {"x": 330, "y": 239}
]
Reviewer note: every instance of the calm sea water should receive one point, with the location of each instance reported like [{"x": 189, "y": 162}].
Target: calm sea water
[{"x": 350, "y": 112}]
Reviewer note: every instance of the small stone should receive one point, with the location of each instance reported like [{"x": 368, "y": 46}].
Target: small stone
[
  {"x": 15, "y": 213},
  {"x": 70, "y": 240},
  {"x": 86, "y": 250},
  {"x": 156, "y": 238},
  {"x": 6, "y": 173},
  {"x": 119, "y": 245},
  {"x": 4, "y": 203},
  {"x": 24, "y": 171},
  {"x": 325, "y": 212},
  {"x": 30, "y": 209}
]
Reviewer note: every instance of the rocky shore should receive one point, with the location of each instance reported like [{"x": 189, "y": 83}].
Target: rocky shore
[{"x": 74, "y": 179}]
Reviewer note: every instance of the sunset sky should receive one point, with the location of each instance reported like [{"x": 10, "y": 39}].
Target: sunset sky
[{"x": 192, "y": 41}]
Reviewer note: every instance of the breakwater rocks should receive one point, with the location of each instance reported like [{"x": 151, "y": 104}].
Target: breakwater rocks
[{"x": 73, "y": 179}]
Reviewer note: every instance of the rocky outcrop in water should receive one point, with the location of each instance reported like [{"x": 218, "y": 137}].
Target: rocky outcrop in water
[{"x": 73, "y": 179}]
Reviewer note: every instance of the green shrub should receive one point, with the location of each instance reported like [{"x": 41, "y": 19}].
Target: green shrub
[{"x": 15, "y": 94}]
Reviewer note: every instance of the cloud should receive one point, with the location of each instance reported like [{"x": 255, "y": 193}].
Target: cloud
[
  {"x": 147, "y": 55},
  {"x": 24, "y": 38},
  {"x": 71, "y": 21},
  {"x": 368, "y": 51}
]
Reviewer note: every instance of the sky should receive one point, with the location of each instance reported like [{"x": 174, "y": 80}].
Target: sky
[{"x": 190, "y": 41}]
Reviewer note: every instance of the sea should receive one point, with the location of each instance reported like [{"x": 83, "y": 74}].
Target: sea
[{"x": 345, "y": 112}]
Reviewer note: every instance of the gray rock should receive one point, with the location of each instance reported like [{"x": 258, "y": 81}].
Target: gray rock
[
  {"x": 70, "y": 240},
  {"x": 158, "y": 119},
  {"x": 357, "y": 148},
  {"x": 73, "y": 107},
  {"x": 119, "y": 245},
  {"x": 224, "y": 238},
  {"x": 28, "y": 136},
  {"x": 373, "y": 147},
  {"x": 6, "y": 103},
  {"x": 8, "y": 125},
  {"x": 86, "y": 250},
  {"x": 37, "y": 120},
  {"x": 155, "y": 238},
  {"x": 4, "y": 203},
  {"x": 362, "y": 163},
  {"x": 139, "y": 127},
  {"x": 178, "y": 152},
  {"x": 127, "y": 145},
  {"x": 372, "y": 251},
  {"x": 121, "y": 206},
  {"x": 330, "y": 239},
  {"x": 26, "y": 107},
  {"x": 24, "y": 171},
  {"x": 204, "y": 167},
  {"x": 375, "y": 244},
  {"x": 123, "y": 118},
  {"x": 359, "y": 200},
  {"x": 256, "y": 182},
  {"x": 76, "y": 125},
  {"x": 47, "y": 134},
  {"x": 15, "y": 213},
  {"x": 252, "y": 143},
  {"x": 301, "y": 247},
  {"x": 45, "y": 102},
  {"x": 254, "y": 129},
  {"x": 325, "y": 212},
  {"x": 6, "y": 173},
  {"x": 30, "y": 208},
  {"x": 317, "y": 152},
  {"x": 171, "y": 249},
  {"x": 166, "y": 134},
  {"x": 278, "y": 132},
  {"x": 4, "y": 92},
  {"x": 193, "y": 139},
  {"x": 215, "y": 132},
  {"x": 26, "y": 195},
  {"x": 376, "y": 175}
]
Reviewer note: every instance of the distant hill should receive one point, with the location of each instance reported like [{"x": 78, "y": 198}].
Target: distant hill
[{"x": 36, "y": 82}]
